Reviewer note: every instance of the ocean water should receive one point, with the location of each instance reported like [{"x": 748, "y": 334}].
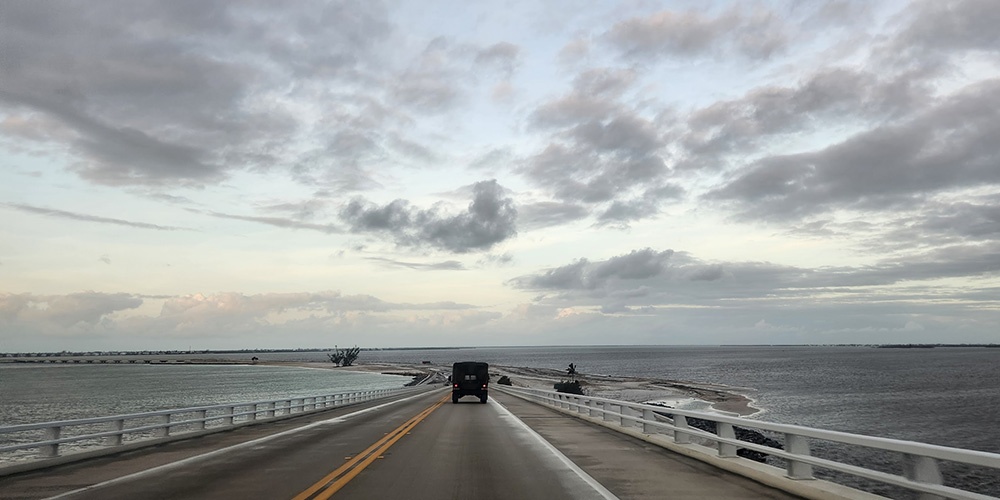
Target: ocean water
[
  {"x": 45, "y": 392},
  {"x": 945, "y": 396}
]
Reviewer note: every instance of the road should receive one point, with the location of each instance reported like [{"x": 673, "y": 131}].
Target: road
[{"x": 422, "y": 447}]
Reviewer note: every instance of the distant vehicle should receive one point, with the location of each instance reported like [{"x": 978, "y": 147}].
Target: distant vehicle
[{"x": 470, "y": 378}]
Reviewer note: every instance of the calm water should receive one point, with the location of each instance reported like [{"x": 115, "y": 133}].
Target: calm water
[
  {"x": 39, "y": 393},
  {"x": 946, "y": 396}
]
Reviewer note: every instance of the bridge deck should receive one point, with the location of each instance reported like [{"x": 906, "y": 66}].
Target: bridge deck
[{"x": 454, "y": 451}]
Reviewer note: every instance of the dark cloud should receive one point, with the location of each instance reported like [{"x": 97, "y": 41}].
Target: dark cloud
[
  {"x": 88, "y": 218},
  {"x": 620, "y": 213},
  {"x": 830, "y": 96},
  {"x": 171, "y": 93},
  {"x": 950, "y": 146},
  {"x": 756, "y": 35},
  {"x": 364, "y": 216},
  {"x": 647, "y": 278},
  {"x": 949, "y": 26},
  {"x": 603, "y": 155},
  {"x": 491, "y": 219},
  {"x": 585, "y": 275},
  {"x": 883, "y": 302}
]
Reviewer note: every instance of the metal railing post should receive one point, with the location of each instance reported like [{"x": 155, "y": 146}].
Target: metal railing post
[
  {"x": 922, "y": 470},
  {"x": 165, "y": 430},
  {"x": 50, "y": 450},
  {"x": 201, "y": 417},
  {"x": 607, "y": 411},
  {"x": 681, "y": 423},
  {"x": 726, "y": 431},
  {"x": 798, "y": 445},
  {"x": 648, "y": 417},
  {"x": 115, "y": 440},
  {"x": 228, "y": 419}
]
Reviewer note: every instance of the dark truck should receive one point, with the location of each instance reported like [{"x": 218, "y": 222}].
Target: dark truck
[{"x": 470, "y": 378}]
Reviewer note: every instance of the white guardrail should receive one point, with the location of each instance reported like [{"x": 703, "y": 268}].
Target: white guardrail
[
  {"x": 918, "y": 462},
  {"x": 72, "y": 438}
]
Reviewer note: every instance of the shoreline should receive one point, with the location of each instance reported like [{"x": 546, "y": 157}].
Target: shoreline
[{"x": 670, "y": 393}]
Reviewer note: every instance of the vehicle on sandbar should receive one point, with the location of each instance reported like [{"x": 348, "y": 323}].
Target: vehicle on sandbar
[{"x": 470, "y": 378}]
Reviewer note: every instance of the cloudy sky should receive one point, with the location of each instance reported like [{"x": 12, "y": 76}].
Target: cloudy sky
[{"x": 248, "y": 175}]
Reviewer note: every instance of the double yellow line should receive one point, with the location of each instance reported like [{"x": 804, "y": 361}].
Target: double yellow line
[{"x": 333, "y": 482}]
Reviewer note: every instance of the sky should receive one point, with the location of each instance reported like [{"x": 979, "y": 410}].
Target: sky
[{"x": 225, "y": 175}]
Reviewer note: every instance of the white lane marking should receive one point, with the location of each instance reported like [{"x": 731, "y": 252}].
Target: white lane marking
[
  {"x": 598, "y": 487},
  {"x": 235, "y": 447}
]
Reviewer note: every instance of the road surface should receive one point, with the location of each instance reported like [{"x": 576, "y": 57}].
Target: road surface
[{"x": 420, "y": 447}]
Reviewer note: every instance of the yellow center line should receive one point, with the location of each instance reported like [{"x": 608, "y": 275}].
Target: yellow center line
[{"x": 333, "y": 482}]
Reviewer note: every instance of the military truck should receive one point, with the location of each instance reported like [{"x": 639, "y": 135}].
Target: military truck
[{"x": 470, "y": 378}]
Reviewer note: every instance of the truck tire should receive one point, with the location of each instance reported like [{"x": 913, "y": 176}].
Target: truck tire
[
  {"x": 454, "y": 399},
  {"x": 483, "y": 398}
]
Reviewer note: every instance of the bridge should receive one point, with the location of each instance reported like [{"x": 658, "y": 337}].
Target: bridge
[{"x": 413, "y": 443}]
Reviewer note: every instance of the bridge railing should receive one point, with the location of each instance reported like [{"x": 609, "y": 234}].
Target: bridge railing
[
  {"x": 51, "y": 439},
  {"x": 918, "y": 462}
]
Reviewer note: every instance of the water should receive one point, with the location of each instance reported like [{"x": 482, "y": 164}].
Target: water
[
  {"x": 945, "y": 396},
  {"x": 41, "y": 393}
]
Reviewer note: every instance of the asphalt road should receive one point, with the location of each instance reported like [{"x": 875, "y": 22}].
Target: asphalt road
[
  {"x": 422, "y": 447},
  {"x": 465, "y": 450}
]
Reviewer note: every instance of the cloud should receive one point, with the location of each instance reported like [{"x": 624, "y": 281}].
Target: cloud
[
  {"x": 650, "y": 278},
  {"x": 92, "y": 320},
  {"x": 822, "y": 99},
  {"x": 948, "y": 26},
  {"x": 949, "y": 146},
  {"x": 504, "y": 56},
  {"x": 76, "y": 310},
  {"x": 550, "y": 213},
  {"x": 601, "y": 155},
  {"x": 584, "y": 275},
  {"x": 755, "y": 35},
  {"x": 275, "y": 221},
  {"x": 430, "y": 84},
  {"x": 665, "y": 291},
  {"x": 152, "y": 94},
  {"x": 491, "y": 219},
  {"x": 448, "y": 265},
  {"x": 89, "y": 218}
]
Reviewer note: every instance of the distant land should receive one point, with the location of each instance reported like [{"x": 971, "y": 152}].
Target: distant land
[{"x": 329, "y": 349}]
